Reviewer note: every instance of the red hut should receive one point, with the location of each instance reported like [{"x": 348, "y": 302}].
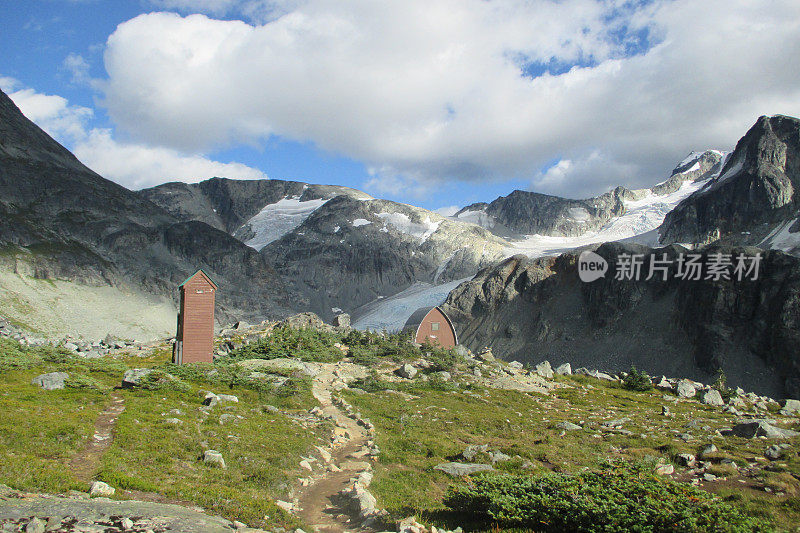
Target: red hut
[
  {"x": 431, "y": 324},
  {"x": 194, "y": 341}
]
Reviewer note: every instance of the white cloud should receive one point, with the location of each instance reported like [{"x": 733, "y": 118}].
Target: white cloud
[
  {"x": 133, "y": 165},
  {"x": 430, "y": 90},
  {"x": 78, "y": 67},
  {"x": 447, "y": 211},
  {"x": 138, "y": 166},
  {"x": 53, "y": 114}
]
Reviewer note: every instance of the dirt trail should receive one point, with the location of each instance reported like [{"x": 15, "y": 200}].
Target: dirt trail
[
  {"x": 321, "y": 507},
  {"x": 87, "y": 461}
]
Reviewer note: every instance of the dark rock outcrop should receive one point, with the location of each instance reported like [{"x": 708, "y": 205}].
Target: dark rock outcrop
[
  {"x": 535, "y": 309},
  {"x": 755, "y": 190},
  {"x": 62, "y": 220}
]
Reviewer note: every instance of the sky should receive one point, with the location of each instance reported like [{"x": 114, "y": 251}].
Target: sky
[{"x": 437, "y": 103}]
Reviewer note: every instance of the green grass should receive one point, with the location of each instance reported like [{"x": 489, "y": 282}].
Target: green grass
[
  {"x": 434, "y": 426},
  {"x": 41, "y": 430},
  {"x": 262, "y": 451}
]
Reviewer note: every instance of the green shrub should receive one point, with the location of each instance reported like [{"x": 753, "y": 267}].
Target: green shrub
[
  {"x": 371, "y": 383},
  {"x": 158, "y": 379},
  {"x": 721, "y": 384},
  {"x": 16, "y": 356},
  {"x": 83, "y": 382},
  {"x": 637, "y": 381},
  {"x": 284, "y": 341},
  {"x": 617, "y": 498}
]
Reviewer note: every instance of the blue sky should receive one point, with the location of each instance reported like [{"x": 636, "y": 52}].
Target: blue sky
[{"x": 435, "y": 103}]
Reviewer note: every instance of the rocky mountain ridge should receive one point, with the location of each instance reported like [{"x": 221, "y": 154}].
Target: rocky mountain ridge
[
  {"x": 60, "y": 220},
  {"x": 753, "y": 198},
  {"x": 535, "y": 309},
  {"x": 525, "y": 213}
]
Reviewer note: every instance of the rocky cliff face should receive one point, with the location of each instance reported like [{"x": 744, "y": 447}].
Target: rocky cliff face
[
  {"x": 754, "y": 194},
  {"x": 350, "y": 252},
  {"x": 58, "y": 219},
  {"x": 536, "y": 309}
]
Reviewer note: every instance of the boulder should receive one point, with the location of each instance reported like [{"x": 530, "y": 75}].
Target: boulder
[
  {"x": 544, "y": 369},
  {"x": 774, "y": 452},
  {"x": 230, "y": 398},
  {"x": 406, "y": 371},
  {"x": 473, "y": 450},
  {"x": 713, "y": 397},
  {"x": 564, "y": 370},
  {"x": 214, "y": 458},
  {"x": 461, "y": 350},
  {"x": 71, "y": 346},
  {"x": 462, "y": 469},
  {"x": 568, "y": 426},
  {"x": 304, "y": 320},
  {"x": 686, "y": 459},
  {"x": 50, "y": 381},
  {"x": 210, "y": 399},
  {"x": 762, "y": 428},
  {"x": 133, "y": 377},
  {"x": 98, "y": 488},
  {"x": 686, "y": 389},
  {"x": 792, "y": 406},
  {"x": 342, "y": 320},
  {"x": 515, "y": 365}
]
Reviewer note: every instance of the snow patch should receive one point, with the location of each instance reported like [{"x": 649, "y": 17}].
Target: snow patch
[
  {"x": 481, "y": 218},
  {"x": 638, "y": 224},
  {"x": 783, "y": 239},
  {"x": 276, "y": 220},
  {"x": 391, "y": 313},
  {"x": 361, "y": 222},
  {"x": 402, "y": 223},
  {"x": 579, "y": 214}
]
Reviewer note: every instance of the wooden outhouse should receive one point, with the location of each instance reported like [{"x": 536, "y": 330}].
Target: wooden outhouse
[
  {"x": 431, "y": 324},
  {"x": 194, "y": 341}
]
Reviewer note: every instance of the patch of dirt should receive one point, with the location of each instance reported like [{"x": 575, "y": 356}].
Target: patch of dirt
[
  {"x": 85, "y": 464},
  {"x": 321, "y": 506}
]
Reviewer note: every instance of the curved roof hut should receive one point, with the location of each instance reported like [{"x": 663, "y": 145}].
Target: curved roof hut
[{"x": 431, "y": 324}]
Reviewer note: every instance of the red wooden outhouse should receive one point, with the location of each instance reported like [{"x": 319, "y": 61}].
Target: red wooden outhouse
[
  {"x": 431, "y": 324},
  {"x": 194, "y": 342}
]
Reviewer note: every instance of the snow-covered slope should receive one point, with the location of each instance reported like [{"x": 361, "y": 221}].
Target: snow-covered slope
[
  {"x": 391, "y": 313},
  {"x": 276, "y": 220},
  {"x": 638, "y": 224}
]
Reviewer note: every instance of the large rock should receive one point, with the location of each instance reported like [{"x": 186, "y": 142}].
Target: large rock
[
  {"x": 406, "y": 371},
  {"x": 762, "y": 428},
  {"x": 564, "y": 370},
  {"x": 462, "y": 469},
  {"x": 544, "y": 369},
  {"x": 214, "y": 458},
  {"x": 791, "y": 406},
  {"x": 342, "y": 320},
  {"x": 98, "y": 488},
  {"x": 134, "y": 376},
  {"x": 686, "y": 389},
  {"x": 50, "y": 381},
  {"x": 713, "y": 397}
]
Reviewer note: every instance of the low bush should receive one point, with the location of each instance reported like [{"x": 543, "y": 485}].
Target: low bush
[
  {"x": 284, "y": 341},
  {"x": 618, "y": 498},
  {"x": 15, "y": 356},
  {"x": 83, "y": 382},
  {"x": 637, "y": 380}
]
